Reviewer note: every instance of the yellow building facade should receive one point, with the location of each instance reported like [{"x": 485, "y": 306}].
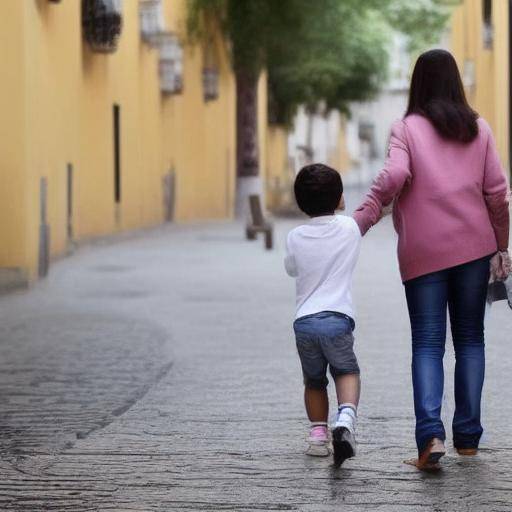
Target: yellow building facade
[
  {"x": 92, "y": 137},
  {"x": 279, "y": 174},
  {"x": 479, "y": 40}
]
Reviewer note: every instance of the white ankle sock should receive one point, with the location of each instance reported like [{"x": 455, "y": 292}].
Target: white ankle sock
[
  {"x": 346, "y": 417},
  {"x": 318, "y": 424}
]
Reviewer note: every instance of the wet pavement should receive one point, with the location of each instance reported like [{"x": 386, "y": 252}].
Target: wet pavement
[{"x": 159, "y": 373}]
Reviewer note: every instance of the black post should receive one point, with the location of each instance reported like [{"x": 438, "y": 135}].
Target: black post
[
  {"x": 117, "y": 153},
  {"x": 69, "y": 229}
]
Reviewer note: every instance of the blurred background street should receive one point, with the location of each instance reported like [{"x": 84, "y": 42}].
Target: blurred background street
[{"x": 159, "y": 373}]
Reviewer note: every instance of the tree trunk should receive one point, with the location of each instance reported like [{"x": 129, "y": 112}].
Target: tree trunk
[
  {"x": 308, "y": 151},
  {"x": 247, "y": 153}
]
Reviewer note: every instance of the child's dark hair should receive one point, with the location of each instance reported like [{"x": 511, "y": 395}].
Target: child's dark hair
[{"x": 318, "y": 190}]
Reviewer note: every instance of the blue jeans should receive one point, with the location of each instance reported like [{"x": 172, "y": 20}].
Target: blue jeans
[{"x": 462, "y": 290}]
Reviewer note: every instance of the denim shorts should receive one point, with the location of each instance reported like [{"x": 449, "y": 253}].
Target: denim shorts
[{"x": 325, "y": 339}]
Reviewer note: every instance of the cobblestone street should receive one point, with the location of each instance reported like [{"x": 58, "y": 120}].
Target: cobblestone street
[{"x": 159, "y": 372}]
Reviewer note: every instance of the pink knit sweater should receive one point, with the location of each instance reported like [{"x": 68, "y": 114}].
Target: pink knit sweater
[{"x": 451, "y": 199}]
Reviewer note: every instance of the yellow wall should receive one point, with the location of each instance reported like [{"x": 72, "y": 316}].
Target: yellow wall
[
  {"x": 263, "y": 127},
  {"x": 345, "y": 164},
  {"x": 278, "y": 176},
  {"x": 13, "y": 199},
  {"x": 56, "y": 100},
  {"x": 490, "y": 93},
  {"x": 339, "y": 157},
  {"x": 279, "y": 173},
  {"x": 199, "y": 137}
]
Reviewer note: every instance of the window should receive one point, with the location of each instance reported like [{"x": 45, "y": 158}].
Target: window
[
  {"x": 117, "y": 153},
  {"x": 487, "y": 28},
  {"x": 210, "y": 72}
]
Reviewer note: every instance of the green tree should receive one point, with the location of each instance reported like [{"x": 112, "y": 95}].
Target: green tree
[
  {"x": 327, "y": 52},
  {"x": 341, "y": 57},
  {"x": 422, "y": 20},
  {"x": 343, "y": 53},
  {"x": 254, "y": 29}
]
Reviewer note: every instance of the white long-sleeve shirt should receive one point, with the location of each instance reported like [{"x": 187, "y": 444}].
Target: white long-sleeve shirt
[{"x": 321, "y": 255}]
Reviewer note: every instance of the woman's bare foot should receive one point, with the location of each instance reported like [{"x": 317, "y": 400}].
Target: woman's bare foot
[
  {"x": 426, "y": 467},
  {"x": 467, "y": 451},
  {"x": 430, "y": 456}
]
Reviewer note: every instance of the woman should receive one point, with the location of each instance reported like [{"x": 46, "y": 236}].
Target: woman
[{"x": 452, "y": 217}]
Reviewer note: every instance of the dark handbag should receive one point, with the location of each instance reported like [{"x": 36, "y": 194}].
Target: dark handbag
[{"x": 500, "y": 290}]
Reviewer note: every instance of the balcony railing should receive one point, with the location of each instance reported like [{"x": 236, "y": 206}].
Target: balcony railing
[{"x": 102, "y": 22}]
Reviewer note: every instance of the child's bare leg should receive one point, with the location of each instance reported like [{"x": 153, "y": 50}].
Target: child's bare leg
[
  {"x": 317, "y": 404},
  {"x": 317, "y": 407},
  {"x": 348, "y": 389}
]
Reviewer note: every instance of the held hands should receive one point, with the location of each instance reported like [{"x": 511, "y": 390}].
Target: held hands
[
  {"x": 387, "y": 209},
  {"x": 501, "y": 266}
]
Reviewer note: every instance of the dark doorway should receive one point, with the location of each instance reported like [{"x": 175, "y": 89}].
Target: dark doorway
[
  {"x": 44, "y": 229},
  {"x": 117, "y": 153}
]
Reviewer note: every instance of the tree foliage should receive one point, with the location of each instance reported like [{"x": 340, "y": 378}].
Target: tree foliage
[
  {"x": 422, "y": 20},
  {"x": 253, "y": 27},
  {"x": 337, "y": 59},
  {"x": 322, "y": 52}
]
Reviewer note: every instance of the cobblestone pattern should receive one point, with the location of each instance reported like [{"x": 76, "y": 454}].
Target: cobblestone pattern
[{"x": 94, "y": 418}]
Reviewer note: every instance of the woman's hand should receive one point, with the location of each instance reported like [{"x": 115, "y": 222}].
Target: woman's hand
[{"x": 501, "y": 266}]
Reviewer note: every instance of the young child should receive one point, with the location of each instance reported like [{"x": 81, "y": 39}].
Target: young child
[{"x": 321, "y": 256}]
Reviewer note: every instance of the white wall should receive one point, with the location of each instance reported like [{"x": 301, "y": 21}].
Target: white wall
[
  {"x": 380, "y": 113},
  {"x": 367, "y": 159}
]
